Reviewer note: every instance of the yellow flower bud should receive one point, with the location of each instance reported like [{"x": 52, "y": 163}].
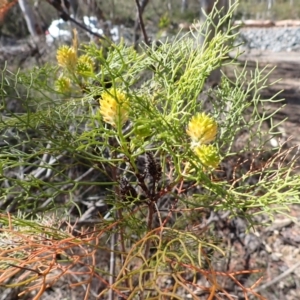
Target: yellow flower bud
[
  {"x": 208, "y": 155},
  {"x": 114, "y": 107},
  {"x": 66, "y": 57},
  {"x": 85, "y": 65},
  {"x": 63, "y": 84},
  {"x": 202, "y": 129}
]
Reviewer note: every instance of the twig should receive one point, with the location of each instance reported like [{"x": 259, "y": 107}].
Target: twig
[
  {"x": 66, "y": 17},
  {"x": 68, "y": 185},
  {"x": 278, "y": 278},
  {"x": 112, "y": 265},
  {"x": 25, "y": 268},
  {"x": 140, "y": 22},
  {"x": 116, "y": 235},
  {"x": 214, "y": 217},
  {"x": 38, "y": 172}
]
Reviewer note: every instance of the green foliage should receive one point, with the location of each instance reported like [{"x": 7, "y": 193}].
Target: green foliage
[
  {"x": 164, "y": 21},
  {"x": 135, "y": 150}
]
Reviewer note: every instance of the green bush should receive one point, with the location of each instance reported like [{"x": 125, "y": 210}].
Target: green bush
[{"x": 136, "y": 130}]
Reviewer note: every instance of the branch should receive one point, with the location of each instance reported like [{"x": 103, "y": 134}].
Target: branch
[
  {"x": 66, "y": 17},
  {"x": 278, "y": 278},
  {"x": 140, "y": 21}
]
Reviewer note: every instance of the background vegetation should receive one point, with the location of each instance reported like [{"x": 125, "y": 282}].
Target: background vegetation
[{"x": 123, "y": 12}]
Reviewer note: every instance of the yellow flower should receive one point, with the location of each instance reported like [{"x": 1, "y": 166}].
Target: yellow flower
[
  {"x": 114, "y": 107},
  {"x": 63, "y": 84},
  {"x": 85, "y": 65},
  {"x": 66, "y": 57},
  {"x": 202, "y": 129},
  {"x": 208, "y": 155}
]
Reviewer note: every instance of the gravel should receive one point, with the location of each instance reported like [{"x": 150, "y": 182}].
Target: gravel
[{"x": 273, "y": 39}]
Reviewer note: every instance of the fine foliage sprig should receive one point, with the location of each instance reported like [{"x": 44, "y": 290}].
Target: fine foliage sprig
[{"x": 138, "y": 131}]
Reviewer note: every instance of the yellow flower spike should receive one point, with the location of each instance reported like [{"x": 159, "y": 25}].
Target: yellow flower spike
[
  {"x": 114, "y": 107},
  {"x": 85, "y": 65},
  {"x": 202, "y": 129},
  {"x": 63, "y": 84},
  {"x": 208, "y": 155},
  {"x": 66, "y": 57}
]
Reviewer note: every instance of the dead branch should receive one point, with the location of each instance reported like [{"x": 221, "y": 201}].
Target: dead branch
[
  {"x": 66, "y": 17},
  {"x": 139, "y": 22}
]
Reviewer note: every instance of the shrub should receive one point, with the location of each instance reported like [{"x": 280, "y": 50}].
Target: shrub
[{"x": 136, "y": 130}]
